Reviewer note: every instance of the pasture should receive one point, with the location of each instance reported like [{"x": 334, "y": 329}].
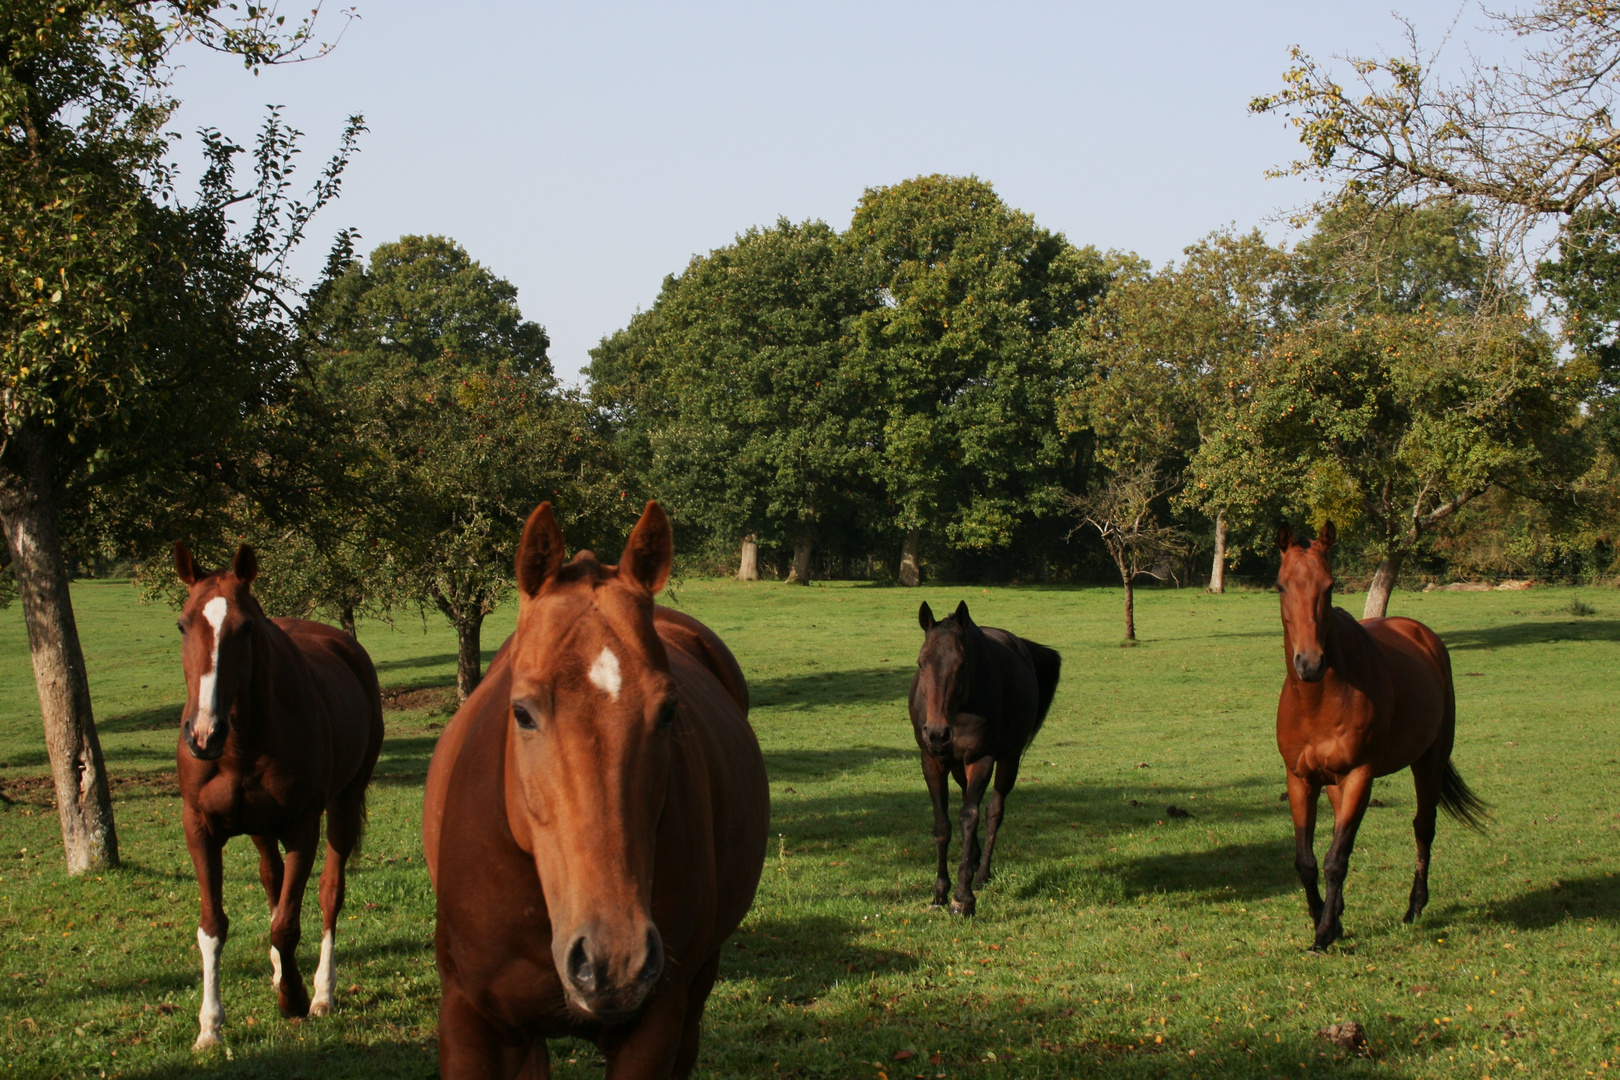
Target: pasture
[{"x": 1116, "y": 940}]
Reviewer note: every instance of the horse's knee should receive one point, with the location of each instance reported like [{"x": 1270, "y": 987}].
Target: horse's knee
[{"x": 1305, "y": 866}]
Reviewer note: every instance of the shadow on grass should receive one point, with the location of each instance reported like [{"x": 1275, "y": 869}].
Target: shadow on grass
[
  {"x": 1595, "y": 897},
  {"x": 799, "y": 960},
  {"x": 156, "y": 718},
  {"x": 1532, "y": 633},
  {"x": 847, "y": 687},
  {"x": 404, "y": 761},
  {"x": 373, "y": 1057},
  {"x": 807, "y": 766}
]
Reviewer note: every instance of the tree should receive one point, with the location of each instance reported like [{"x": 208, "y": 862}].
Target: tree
[
  {"x": 1527, "y": 140},
  {"x": 1397, "y": 422},
  {"x": 1583, "y": 288},
  {"x": 958, "y": 358},
  {"x": 732, "y": 392},
  {"x": 455, "y": 411},
  {"x": 116, "y": 301},
  {"x": 1124, "y": 509},
  {"x": 1167, "y": 356}
]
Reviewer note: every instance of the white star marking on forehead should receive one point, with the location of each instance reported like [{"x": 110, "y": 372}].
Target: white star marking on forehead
[{"x": 605, "y": 673}]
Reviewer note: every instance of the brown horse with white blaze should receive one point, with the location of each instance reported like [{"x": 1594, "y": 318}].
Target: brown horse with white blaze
[
  {"x": 1361, "y": 700},
  {"x": 283, "y": 723},
  {"x": 595, "y": 821}
]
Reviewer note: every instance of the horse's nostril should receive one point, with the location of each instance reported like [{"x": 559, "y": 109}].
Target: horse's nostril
[
  {"x": 581, "y": 972},
  {"x": 654, "y": 965}
]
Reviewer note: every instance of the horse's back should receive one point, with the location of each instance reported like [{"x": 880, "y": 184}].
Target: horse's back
[
  {"x": 1410, "y": 638},
  {"x": 703, "y": 645},
  {"x": 346, "y": 681},
  {"x": 1030, "y": 671}
]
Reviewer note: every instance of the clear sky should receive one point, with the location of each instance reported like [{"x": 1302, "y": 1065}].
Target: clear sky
[{"x": 584, "y": 151}]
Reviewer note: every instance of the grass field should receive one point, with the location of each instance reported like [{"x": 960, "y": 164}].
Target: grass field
[{"x": 1115, "y": 941}]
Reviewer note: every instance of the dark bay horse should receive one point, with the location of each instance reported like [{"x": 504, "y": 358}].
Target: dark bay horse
[
  {"x": 1361, "y": 700},
  {"x": 282, "y": 723},
  {"x": 595, "y": 821},
  {"x": 977, "y": 700}
]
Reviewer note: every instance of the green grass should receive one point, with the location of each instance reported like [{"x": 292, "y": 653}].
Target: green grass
[{"x": 1115, "y": 941}]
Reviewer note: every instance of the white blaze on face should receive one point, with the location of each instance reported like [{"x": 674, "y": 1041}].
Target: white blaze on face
[
  {"x": 324, "y": 976},
  {"x": 605, "y": 673},
  {"x": 212, "y": 1013},
  {"x": 202, "y": 729}
]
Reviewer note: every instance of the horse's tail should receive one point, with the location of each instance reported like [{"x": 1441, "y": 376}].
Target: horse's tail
[
  {"x": 1459, "y": 800},
  {"x": 1048, "y": 665}
]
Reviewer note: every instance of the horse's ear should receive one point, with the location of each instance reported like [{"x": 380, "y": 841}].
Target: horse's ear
[
  {"x": 925, "y": 617},
  {"x": 1285, "y": 537},
  {"x": 961, "y": 614},
  {"x": 246, "y": 564},
  {"x": 540, "y": 551},
  {"x": 1328, "y": 535},
  {"x": 650, "y": 549},
  {"x": 185, "y": 567}
]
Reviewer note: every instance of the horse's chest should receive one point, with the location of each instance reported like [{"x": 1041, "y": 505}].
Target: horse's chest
[{"x": 234, "y": 806}]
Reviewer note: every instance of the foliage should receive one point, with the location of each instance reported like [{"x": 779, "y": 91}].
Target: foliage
[
  {"x": 1525, "y": 140},
  {"x": 731, "y": 395},
  {"x": 1583, "y": 289},
  {"x": 958, "y": 356}
]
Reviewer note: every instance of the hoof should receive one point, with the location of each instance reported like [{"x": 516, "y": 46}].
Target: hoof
[
  {"x": 320, "y": 1008},
  {"x": 208, "y": 1040},
  {"x": 963, "y": 907},
  {"x": 293, "y": 1006}
]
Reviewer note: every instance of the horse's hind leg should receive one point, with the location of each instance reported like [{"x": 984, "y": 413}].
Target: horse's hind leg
[
  {"x": 1426, "y": 773},
  {"x": 937, "y": 773},
  {"x": 285, "y": 924},
  {"x": 1354, "y": 791},
  {"x": 271, "y": 868},
  {"x": 978, "y": 778},
  {"x": 1006, "y": 777},
  {"x": 343, "y": 821}
]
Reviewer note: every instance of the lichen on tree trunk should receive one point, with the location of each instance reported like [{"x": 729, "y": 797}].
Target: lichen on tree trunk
[
  {"x": 1383, "y": 584},
  {"x": 800, "y": 574},
  {"x": 748, "y": 564},
  {"x": 911, "y": 559},
  {"x": 84, "y": 803},
  {"x": 1217, "y": 566}
]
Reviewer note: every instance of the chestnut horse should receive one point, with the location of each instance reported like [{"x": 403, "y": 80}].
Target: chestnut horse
[
  {"x": 1361, "y": 700},
  {"x": 977, "y": 700},
  {"x": 595, "y": 821},
  {"x": 282, "y": 723}
]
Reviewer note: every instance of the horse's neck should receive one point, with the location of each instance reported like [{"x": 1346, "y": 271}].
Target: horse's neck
[{"x": 1344, "y": 654}]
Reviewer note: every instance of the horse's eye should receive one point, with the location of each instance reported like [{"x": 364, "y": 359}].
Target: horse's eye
[
  {"x": 525, "y": 719},
  {"x": 666, "y": 714},
  {"x": 180, "y": 625}
]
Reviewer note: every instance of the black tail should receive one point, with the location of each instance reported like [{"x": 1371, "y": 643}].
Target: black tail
[
  {"x": 1048, "y": 665},
  {"x": 1459, "y": 800}
]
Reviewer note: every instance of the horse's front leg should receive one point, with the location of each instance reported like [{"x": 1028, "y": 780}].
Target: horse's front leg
[
  {"x": 978, "y": 779},
  {"x": 1006, "y": 777},
  {"x": 1354, "y": 792},
  {"x": 936, "y": 771},
  {"x": 207, "y": 858},
  {"x": 285, "y": 924},
  {"x": 1302, "y": 796},
  {"x": 649, "y": 1049}
]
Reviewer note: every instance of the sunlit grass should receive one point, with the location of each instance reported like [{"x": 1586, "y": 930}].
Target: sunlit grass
[{"x": 1115, "y": 941}]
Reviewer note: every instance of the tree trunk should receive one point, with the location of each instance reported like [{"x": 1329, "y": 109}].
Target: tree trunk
[
  {"x": 748, "y": 567},
  {"x": 469, "y": 659},
  {"x": 347, "y": 617},
  {"x": 83, "y": 801},
  {"x": 910, "y": 556},
  {"x": 1217, "y": 568},
  {"x": 800, "y": 574},
  {"x": 1383, "y": 583},
  {"x": 1130, "y": 610}
]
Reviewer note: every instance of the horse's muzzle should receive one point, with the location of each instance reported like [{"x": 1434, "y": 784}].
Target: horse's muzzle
[
  {"x": 939, "y": 741},
  {"x": 610, "y": 990},
  {"x": 1310, "y": 668},
  {"x": 210, "y": 748}
]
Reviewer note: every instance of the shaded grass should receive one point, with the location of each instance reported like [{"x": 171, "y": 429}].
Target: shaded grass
[{"x": 1115, "y": 940}]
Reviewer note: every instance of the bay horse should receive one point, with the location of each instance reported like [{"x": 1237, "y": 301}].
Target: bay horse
[
  {"x": 1360, "y": 700},
  {"x": 282, "y": 723},
  {"x": 977, "y": 700},
  {"x": 595, "y": 821}
]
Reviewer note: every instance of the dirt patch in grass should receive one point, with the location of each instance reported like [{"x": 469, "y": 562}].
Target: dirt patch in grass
[
  {"x": 439, "y": 699},
  {"x": 40, "y": 791}
]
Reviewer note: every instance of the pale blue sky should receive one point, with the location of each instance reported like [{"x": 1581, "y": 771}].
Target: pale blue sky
[{"x": 585, "y": 151}]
